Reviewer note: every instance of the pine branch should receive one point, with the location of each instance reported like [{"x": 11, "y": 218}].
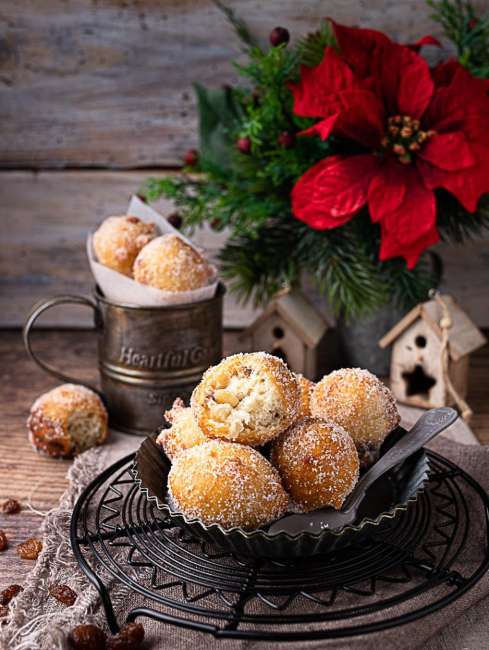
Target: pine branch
[
  {"x": 310, "y": 48},
  {"x": 455, "y": 224},
  {"x": 468, "y": 32},
  {"x": 257, "y": 267},
  {"x": 239, "y": 26}
]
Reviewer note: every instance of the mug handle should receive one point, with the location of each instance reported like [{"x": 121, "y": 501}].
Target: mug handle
[{"x": 36, "y": 311}]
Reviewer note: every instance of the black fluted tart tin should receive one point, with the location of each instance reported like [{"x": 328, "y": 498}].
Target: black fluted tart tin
[{"x": 390, "y": 495}]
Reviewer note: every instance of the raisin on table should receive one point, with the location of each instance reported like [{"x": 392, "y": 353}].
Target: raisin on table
[
  {"x": 9, "y": 592},
  {"x": 63, "y": 593},
  {"x": 129, "y": 638},
  {"x": 10, "y": 507},
  {"x": 30, "y": 549},
  {"x": 86, "y": 637}
]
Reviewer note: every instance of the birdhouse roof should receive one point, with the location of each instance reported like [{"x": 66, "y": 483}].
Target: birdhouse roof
[
  {"x": 298, "y": 313},
  {"x": 464, "y": 336}
]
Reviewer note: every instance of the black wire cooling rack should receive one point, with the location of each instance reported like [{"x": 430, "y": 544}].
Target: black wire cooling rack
[{"x": 418, "y": 563}]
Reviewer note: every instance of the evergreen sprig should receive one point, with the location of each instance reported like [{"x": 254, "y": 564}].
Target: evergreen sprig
[
  {"x": 467, "y": 31},
  {"x": 310, "y": 48}
]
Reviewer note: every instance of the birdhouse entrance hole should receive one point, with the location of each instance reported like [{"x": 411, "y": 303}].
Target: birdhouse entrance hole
[
  {"x": 278, "y": 332},
  {"x": 418, "y": 382},
  {"x": 278, "y": 352}
]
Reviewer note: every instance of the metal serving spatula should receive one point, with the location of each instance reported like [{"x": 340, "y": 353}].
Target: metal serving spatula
[{"x": 429, "y": 425}]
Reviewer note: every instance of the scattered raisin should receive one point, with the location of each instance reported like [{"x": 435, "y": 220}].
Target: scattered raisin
[
  {"x": 86, "y": 637},
  {"x": 10, "y": 507},
  {"x": 30, "y": 549},
  {"x": 63, "y": 593},
  {"x": 134, "y": 632},
  {"x": 129, "y": 638},
  {"x": 3, "y": 541},
  {"x": 10, "y": 592}
]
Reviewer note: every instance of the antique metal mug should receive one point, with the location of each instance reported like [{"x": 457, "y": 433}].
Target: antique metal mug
[{"x": 147, "y": 356}]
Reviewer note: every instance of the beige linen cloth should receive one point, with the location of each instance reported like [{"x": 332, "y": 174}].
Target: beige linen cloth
[{"x": 41, "y": 623}]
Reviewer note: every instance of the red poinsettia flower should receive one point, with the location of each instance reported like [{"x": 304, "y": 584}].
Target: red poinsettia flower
[{"x": 420, "y": 129}]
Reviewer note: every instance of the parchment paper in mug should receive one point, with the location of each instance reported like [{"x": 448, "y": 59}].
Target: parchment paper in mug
[{"x": 119, "y": 288}]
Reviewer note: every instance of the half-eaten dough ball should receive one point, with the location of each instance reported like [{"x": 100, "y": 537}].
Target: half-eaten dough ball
[
  {"x": 67, "y": 420},
  {"x": 183, "y": 433},
  {"x": 318, "y": 463},
  {"x": 118, "y": 241},
  {"x": 247, "y": 398},
  {"x": 226, "y": 483},
  {"x": 170, "y": 264},
  {"x": 359, "y": 402}
]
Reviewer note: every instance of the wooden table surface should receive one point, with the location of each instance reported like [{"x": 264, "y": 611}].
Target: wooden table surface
[{"x": 39, "y": 481}]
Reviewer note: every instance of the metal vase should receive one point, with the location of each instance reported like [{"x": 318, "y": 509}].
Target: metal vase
[
  {"x": 147, "y": 356},
  {"x": 359, "y": 340}
]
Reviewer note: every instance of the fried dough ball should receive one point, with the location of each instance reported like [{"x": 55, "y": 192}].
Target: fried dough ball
[
  {"x": 305, "y": 386},
  {"x": 118, "y": 241},
  {"x": 67, "y": 420},
  {"x": 247, "y": 398},
  {"x": 170, "y": 264},
  {"x": 318, "y": 463},
  {"x": 183, "y": 433},
  {"x": 359, "y": 402},
  {"x": 226, "y": 483}
]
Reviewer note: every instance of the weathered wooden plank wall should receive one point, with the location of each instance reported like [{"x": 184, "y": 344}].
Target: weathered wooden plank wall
[
  {"x": 106, "y": 84},
  {"x": 109, "y": 82}
]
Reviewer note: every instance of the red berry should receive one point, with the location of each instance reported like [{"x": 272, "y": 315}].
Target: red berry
[
  {"x": 473, "y": 22},
  {"x": 244, "y": 145},
  {"x": 191, "y": 157},
  {"x": 216, "y": 224},
  {"x": 286, "y": 139},
  {"x": 278, "y": 36}
]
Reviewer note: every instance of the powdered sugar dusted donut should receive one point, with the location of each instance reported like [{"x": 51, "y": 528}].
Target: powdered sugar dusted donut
[
  {"x": 170, "y": 264},
  {"x": 118, "y": 241},
  {"x": 247, "y": 398},
  {"x": 184, "y": 432},
  {"x": 318, "y": 463},
  {"x": 305, "y": 387},
  {"x": 67, "y": 420},
  {"x": 225, "y": 483},
  {"x": 359, "y": 402}
]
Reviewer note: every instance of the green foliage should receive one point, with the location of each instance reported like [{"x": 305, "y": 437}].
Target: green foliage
[
  {"x": 468, "y": 32},
  {"x": 456, "y": 225},
  {"x": 310, "y": 48},
  {"x": 219, "y": 114},
  {"x": 239, "y": 25},
  {"x": 249, "y": 194}
]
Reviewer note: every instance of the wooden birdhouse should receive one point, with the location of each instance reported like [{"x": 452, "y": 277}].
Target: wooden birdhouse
[
  {"x": 430, "y": 354},
  {"x": 292, "y": 328}
]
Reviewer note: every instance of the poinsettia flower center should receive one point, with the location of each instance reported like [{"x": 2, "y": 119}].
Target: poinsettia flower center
[{"x": 404, "y": 137}]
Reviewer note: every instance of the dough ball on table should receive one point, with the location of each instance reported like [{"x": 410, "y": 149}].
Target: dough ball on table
[
  {"x": 227, "y": 483},
  {"x": 359, "y": 402},
  {"x": 170, "y": 264},
  {"x": 247, "y": 398},
  {"x": 318, "y": 463},
  {"x": 118, "y": 241},
  {"x": 67, "y": 420},
  {"x": 305, "y": 387},
  {"x": 183, "y": 433}
]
